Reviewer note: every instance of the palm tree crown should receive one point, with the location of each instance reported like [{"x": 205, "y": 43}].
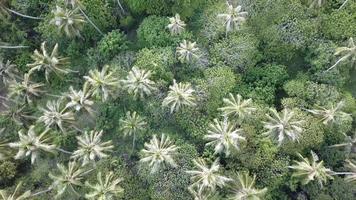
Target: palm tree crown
[
  {"x": 24, "y": 90},
  {"x": 132, "y": 123},
  {"x": 349, "y": 144},
  {"x": 32, "y": 143},
  {"x": 207, "y": 178},
  {"x": 236, "y": 106},
  {"x": 224, "y": 136},
  {"x": 5, "y": 196},
  {"x": 181, "y": 94},
  {"x": 102, "y": 82},
  {"x": 105, "y": 189},
  {"x": 49, "y": 62},
  {"x": 8, "y": 71},
  {"x": 158, "y": 152},
  {"x": 351, "y": 176},
  {"x": 91, "y": 147},
  {"x": 176, "y": 25},
  {"x": 244, "y": 188},
  {"x": 310, "y": 169},
  {"x": 283, "y": 126},
  {"x": 138, "y": 82},
  {"x": 187, "y": 51},
  {"x": 331, "y": 114},
  {"x": 68, "y": 177},
  {"x": 55, "y": 115},
  {"x": 348, "y": 52},
  {"x": 80, "y": 100},
  {"x": 68, "y": 21},
  {"x": 233, "y": 18}
]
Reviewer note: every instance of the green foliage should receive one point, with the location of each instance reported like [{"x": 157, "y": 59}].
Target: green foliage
[
  {"x": 158, "y": 60},
  {"x": 7, "y": 171},
  {"x": 238, "y": 51},
  {"x": 153, "y": 32},
  {"x": 112, "y": 44}
]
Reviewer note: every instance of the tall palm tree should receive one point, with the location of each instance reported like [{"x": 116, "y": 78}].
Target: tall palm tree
[
  {"x": 348, "y": 52},
  {"x": 5, "y": 196},
  {"x": 224, "y": 136},
  {"x": 91, "y": 147},
  {"x": 158, "y": 152},
  {"x": 176, "y": 26},
  {"x": 310, "y": 169},
  {"x": 18, "y": 113},
  {"x": 80, "y": 100},
  {"x": 49, "y": 62},
  {"x": 351, "y": 176},
  {"x": 198, "y": 194},
  {"x": 68, "y": 21},
  {"x": 349, "y": 144},
  {"x": 5, "y": 10},
  {"x": 56, "y": 115},
  {"x": 244, "y": 188},
  {"x": 105, "y": 189},
  {"x": 4, "y": 152},
  {"x": 181, "y": 94},
  {"x": 205, "y": 177},
  {"x": 138, "y": 82},
  {"x": 24, "y": 90},
  {"x": 8, "y": 71},
  {"x": 132, "y": 124},
  {"x": 330, "y": 114},
  {"x": 187, "y": 51},
  {"x": 102, "y": 83},
  {"x": 233, "y": 18},
  {"x": 283, "y": 126},
  {"x": 237, "y": 106},
  {"x": 68, "y": 178},
  {"x": 76, "y": 4},
  {"x": 32, "y": 144}
]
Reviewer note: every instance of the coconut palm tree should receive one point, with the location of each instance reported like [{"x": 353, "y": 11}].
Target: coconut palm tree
[
  {"x": 198, "y": 194},
  {"x": 102, "y": 83},
  {"x": 176, "y": 26},
  {"x": 5, "y": 10},
  {"x": 236, "y": 106},
  {"x": 32, "y": 144},
  {"x": 4, "y": 152},
  {"x": 351, "y": 176},
  {"x": 316, "y": 3},
  {"x": 233, "y": 18},
  {"x": 8, "y": 72},
  {"x": 5, "y": 196},
  {"x": 244, "y": 188},
  {"x": 138, "y": 82},
  {"x": 132, "y": 124},
  {"x": 68, "y": 178},
  {"x": 310, "y": 169},
  {"x": 348, "y": 52},
  {"x": 205, "y": 177},
  {"x": 24, "y": 90},
  {"x": 158, "y": 152},
  {"x": 331, "y": 114},
  {"x": 56, "y": 115},
  {"x": 91, "y": 147},
  {"x": 349, "y": 144},
  {"x": 224, "y": 136},
  {"x": 283, "y": 126},
  {"x": 49, "y": 63},
  {"x": 68, "y": 21},
  {"x": 80, "y": 100},
  {"x": 181, "y": 94},
  {"x": 18, "y": 113},
  {"x": 105, "y": 189},
  {"x": 187, "y": 51},
  {"x": 76, "y": 4}
]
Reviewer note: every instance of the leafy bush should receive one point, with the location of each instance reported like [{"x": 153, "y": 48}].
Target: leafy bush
[{"x": 112, "y": 44}]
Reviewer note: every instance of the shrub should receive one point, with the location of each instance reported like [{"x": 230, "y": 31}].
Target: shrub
[{"x": 112, "y": 43}]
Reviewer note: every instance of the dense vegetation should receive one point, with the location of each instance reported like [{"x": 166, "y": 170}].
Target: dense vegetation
[{"x": 183, "y": 99}]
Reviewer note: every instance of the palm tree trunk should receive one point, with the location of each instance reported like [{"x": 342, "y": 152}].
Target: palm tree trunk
[
  {"x": 22, "y": 15},
  {"x": 91, "y": 22},
  {"x": 133, "y": 143},
  {"x": 343, "y": 4},
  {"x": 340, "y": 60},
  {"x": 42, "y": 192}
]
